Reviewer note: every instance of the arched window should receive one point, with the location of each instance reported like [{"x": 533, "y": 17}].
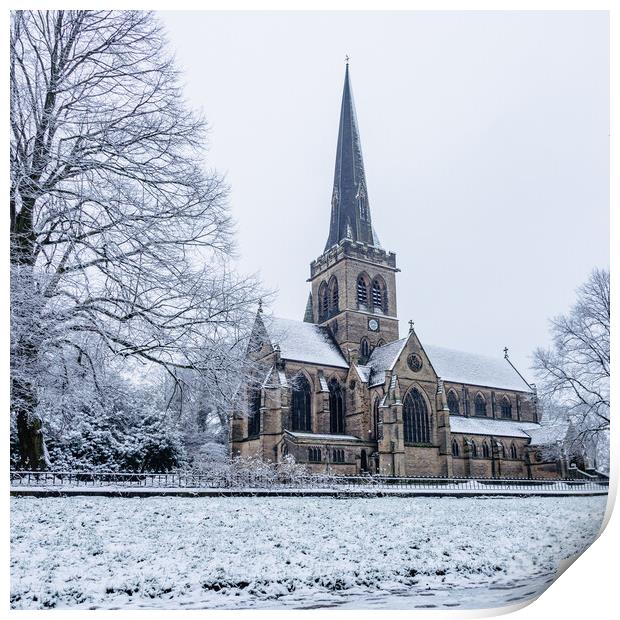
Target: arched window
[
  {"x": 381, "y": 343},
  {"x": 254, "y": 402},
  {"x": 362, "y": 291},
  {"x": 485, "y": 450},
  {"x": 379, "y": 297},
  {"x": 314, "y": 455},
  {"x": 456, "y": 451},
  {"x": 376, "y": 422},
  {"x": 323, "y": 302},
  {"x": 480, "y": 405},
  {"x": 364, "y": 350},
  {"x": 453, "y": 402},
  {"x": 338, "y": 456},
  {"x": 506, "y": 408},
  {"x": 333, "y": 296},
  {"x": 416, "y": 419},
  {"x": 336, "y": 407},
  {"x": 301, "y": 405},
  {"x": 473, "y": 449},
  {"x": 513, "y": 452}
]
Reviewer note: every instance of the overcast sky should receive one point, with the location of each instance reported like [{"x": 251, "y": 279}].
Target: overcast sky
[{"x": 485, "y": 140}]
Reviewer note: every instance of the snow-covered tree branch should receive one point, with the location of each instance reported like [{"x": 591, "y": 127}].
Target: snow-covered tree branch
[{"x": 120, "y": 239}]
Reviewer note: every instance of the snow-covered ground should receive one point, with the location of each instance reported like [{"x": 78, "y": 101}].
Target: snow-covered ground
[{"x": 241, "y": 552}]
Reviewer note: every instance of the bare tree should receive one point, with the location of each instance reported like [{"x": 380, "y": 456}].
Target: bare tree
[
  {"x": 119, "y": 237},
  {"x": 574, "y": 373}
]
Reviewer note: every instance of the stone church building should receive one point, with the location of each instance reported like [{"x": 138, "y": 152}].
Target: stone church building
[{"x": 341, "y": 392}]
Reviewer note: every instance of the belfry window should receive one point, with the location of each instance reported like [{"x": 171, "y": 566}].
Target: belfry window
[
  {"x": 453, "y": 402},
  {"x": 506, "y": 408},
  {"x": 333, "y": 297},
  {"x": 480, "y": 405},
  {"x": 323, "y": 302},
  {"x": 301, "y": 405},
  {"x": 336, "y": 407},
  {"x": 254, "y": 403},
  {"x": 362, "y": 291},
  {"x": 379, "y": 298},
  {"x": 416, "y": 419}
]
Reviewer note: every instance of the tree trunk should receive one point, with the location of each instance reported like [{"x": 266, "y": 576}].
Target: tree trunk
[{"x": 32, "y": 450}]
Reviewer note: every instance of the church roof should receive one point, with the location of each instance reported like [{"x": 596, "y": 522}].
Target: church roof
[
  {"x": 350, "y": 217},
  {"x": 451, "y": 365},
  {"x": 475, "y": 369},
  {"x": 491, "y": 426},
  {"x": 303, "y": 342}
]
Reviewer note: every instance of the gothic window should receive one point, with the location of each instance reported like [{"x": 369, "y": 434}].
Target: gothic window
[
  {"x": 301, "y": 405},
  {"x": 376, "y": 427},
  {"x": 379, "y": 295},
  {"x": 338, "y": 456},
  {"x": 362, "y": 291},
  {"x": 254, "y": 402},
  {"x": 513, "y": 451},
  {"x": 323, "y": 302},
  {"x": 336, "y": 407},
  {"x": 364, "y": 350},
  {"x": 456, "y": 451},
  {"x": 333, "y": 296},
  {"x": 473, "y": 449},
  {"x": 381, "y": 343},
  {"x": 501, "y": 451},
  {"x": 485, "y": 450},
  {"x": 480, "y": 405},
  {"x": 453, "y": 402},
  {"x": 314, "y": 455},
  {"x": 415, "y": 417},
  {"x": 506, "y": 408}
]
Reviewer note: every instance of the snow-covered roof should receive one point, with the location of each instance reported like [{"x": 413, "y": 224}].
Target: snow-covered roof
[
  {"x": 482, "y": 370},
  {"x": 491, "y": 426},
  {"x": 322, "y": 437},
  {"x": 363, "y": 373},
  {"x": 383, "y": 358},
  {"x": 549, "y": 433},
  {"x": 303, "y": 342}
]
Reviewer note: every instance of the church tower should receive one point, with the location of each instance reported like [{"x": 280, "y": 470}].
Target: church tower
[{"x": 354, "y": 280}]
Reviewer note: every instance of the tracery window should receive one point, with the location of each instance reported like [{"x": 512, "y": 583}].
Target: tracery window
[
  {"x": 336, "y": 407},
  {"x": 485, "y": 450},
  {"x": 506, "y": 408},
  {"x": 480, "y": 405},
  {"x": 254, "y": 403},
  {"x": 453, "y": 402},
  {"x": 456, "y": 450},
  {"x": 301, "y": 405},
  {"x": 416, "y": 419},
  {"x": 314, "y": 455}
]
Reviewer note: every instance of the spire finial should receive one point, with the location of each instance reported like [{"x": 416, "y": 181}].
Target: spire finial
[
  {"x": 347, "y": 58},
  {"x": 506, "y": 353},
  {"x": 260, "y": 304},
  {"x": 410, "y": 325}
]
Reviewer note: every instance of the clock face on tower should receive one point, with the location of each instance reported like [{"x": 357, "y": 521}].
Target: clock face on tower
[{"x": 373, "y": 325}]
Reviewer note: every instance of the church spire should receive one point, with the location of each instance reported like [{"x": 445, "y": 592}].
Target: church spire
[{"x": 350, "y": 217}]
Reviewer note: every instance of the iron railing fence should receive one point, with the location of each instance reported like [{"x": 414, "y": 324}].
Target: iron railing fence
[{"x": 240, "y": 480}]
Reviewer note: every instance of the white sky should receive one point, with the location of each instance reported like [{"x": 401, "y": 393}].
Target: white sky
[{"x": 485, "y": 140}]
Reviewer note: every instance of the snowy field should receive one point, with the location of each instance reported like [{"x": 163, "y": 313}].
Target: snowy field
[{"x": 249, "y": 552}]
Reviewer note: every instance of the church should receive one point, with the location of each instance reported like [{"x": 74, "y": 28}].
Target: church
[{"x": 341, "y": 392}]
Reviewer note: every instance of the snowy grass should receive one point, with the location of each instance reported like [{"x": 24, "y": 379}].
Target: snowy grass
[{"x": 241, "y": 552}]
